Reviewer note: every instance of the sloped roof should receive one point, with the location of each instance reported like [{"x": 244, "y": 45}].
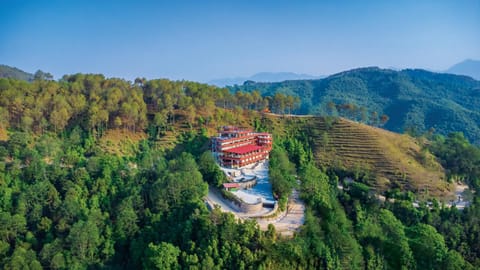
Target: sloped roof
[{"x": 231, "y": 185}]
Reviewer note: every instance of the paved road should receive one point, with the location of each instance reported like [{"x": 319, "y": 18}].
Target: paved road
[
  {"x": 213, "y": 198},
  {"x": 291, "y": 221}
]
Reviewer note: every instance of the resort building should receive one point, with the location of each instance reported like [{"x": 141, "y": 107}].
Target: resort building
[{"x": 235, "y": 147}]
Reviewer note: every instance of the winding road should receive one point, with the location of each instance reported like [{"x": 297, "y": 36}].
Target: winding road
[{"x": 290, "y": 221}]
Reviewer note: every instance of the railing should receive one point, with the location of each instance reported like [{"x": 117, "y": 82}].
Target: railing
[
  {"x": 241, "y": 163},
  {"x": 235, "y": 145},
  {"x": 224, "y": 140}
]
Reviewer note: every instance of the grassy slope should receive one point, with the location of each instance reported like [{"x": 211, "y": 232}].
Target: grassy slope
[
  {"x": 3, "y": 134},
  {"x": 393, "y": 160},
  {"x": 120, "y": 141}
]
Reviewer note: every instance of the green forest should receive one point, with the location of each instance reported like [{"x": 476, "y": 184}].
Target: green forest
[
  {"x": 411, "y": 100},
  {"x": 66, "y": 203}
]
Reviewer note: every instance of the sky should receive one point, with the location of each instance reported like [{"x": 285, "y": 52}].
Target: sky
[{"x": 205, "y": 40}]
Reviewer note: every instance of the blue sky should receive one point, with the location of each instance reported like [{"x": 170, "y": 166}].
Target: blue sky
[{"x": 204, "y": 40}]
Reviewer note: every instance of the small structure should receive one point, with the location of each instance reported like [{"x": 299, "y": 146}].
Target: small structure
[
  {"x": 231, "y": 186},
  {"x": 235, "y": 147}
]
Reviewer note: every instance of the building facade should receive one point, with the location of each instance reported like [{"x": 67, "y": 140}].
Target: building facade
[{"x": 235, "y": 147}]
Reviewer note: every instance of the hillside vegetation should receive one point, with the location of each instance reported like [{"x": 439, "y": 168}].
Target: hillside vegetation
[
  {"x": 121, "y": 142},
  {"x": 388, "y": 160},
  {"x": 383, "y": 159},
  {"x": 410, "y": 100},
  {"x": 99, "y": 173}
]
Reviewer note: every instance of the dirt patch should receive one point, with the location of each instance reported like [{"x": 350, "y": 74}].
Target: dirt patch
[
  {"x": 121, "y": 142},
  {"x": 3, "y": 134}
]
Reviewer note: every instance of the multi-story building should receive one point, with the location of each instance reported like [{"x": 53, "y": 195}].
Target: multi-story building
[{"x": 235, "y": 147}]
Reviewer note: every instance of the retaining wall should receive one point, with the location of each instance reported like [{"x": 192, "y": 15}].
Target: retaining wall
[
  {"x": 272, "y": 215},
  {"x": 252, "y": 207},
  {"x": 249, "y": 183}
]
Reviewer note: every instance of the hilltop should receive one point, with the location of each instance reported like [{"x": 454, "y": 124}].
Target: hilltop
[{"x": 414, "y": 100}]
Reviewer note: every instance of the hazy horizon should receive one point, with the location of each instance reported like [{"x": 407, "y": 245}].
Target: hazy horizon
[{"x": 208, "y": 40}]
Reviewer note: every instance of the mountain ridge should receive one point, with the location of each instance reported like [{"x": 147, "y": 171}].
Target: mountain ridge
[
  {"x": 468, "y": 67},
  {"x": 15, "y": 73},
  {"x": 414, "y": 100}
]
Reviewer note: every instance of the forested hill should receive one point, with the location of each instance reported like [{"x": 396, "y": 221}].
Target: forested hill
[
  {"x": 96, "y": 104},
  {"x": 414, "y": 100},
  {"x": 15, "y": 73},
  {"x": 73, "y": 197}
]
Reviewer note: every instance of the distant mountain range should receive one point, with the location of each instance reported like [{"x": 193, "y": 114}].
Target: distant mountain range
[
  {"x": 468, "y": 67},
  {"x": 413, "y": 99},
  {"x": 15, "y": 73},
  {"x": 263, "y": 77}
]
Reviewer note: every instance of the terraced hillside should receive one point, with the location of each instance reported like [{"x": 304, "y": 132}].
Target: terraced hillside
[{"x": 390, "y": 160}]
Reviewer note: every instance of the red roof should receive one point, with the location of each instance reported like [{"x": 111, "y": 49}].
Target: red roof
[
  {"x": 231, "y": 185},
  {"x": 244, "y": 149}
]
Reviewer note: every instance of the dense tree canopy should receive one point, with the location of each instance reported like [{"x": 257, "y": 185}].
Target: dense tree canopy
[
  {"x": 96, "y": 103},
  {"x": 65, "y": 203}
]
